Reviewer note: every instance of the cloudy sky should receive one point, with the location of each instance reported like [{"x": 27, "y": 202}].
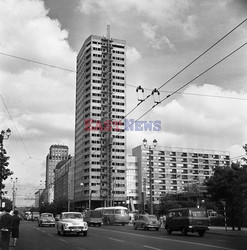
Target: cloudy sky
[{"x": 163, "y": 36}]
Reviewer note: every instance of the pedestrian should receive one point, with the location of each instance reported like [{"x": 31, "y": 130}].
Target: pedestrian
[
  {"x": 164, "y": 221},
  {"x": 15, "y": 227},
  {"x": 6, "y": 225},
  {"x": 161, "y": 221}
]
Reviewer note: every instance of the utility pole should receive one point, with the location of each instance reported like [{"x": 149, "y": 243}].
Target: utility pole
[{"x": 14, "y": 192}]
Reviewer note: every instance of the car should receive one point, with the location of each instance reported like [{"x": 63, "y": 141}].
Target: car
[
  {"x": 35, "y": 215},
  {"x": 46, "y": 219},
  {"x": 146, "y": 222},
  {"x": 57, "y": 217},
  {"x": 28, "y": 215},
  {"x": 71, "y": 222},
  {"x": 187, "y": 220}
]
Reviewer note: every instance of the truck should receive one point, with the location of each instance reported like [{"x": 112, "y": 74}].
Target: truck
[
  {"x": 187, "y": 220},
  {"x": 93, "y": 218}
]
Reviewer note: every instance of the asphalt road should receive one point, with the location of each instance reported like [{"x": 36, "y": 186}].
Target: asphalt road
[{"x": 33, "y": 237}]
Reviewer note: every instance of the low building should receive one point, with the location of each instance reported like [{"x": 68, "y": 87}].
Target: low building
[{"x": 173, "y": 169}]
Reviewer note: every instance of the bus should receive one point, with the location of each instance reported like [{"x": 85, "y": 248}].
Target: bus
[{"x": 114, "y": 215}]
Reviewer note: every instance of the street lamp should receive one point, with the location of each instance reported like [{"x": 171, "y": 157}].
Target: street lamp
[
  {"x": 150, "y": 172},
  {"x": 14, "y": 191},
  {"x": 82, "y": 192},
  {"x": 3, "y": 136}
]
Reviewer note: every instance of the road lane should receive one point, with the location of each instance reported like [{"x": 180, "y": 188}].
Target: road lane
[
  {"x": 159, "y": 241},
  {"x": 33, "y": 237}
]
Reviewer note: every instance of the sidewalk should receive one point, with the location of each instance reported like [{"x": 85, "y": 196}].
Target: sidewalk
[{"x": 221, "y": 230}]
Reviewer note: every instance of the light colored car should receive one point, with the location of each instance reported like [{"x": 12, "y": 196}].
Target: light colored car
[
  {"x": 46, "y": 219},
  {"x": 146, "y": 222},
  {"x": 72, "y": 222}
]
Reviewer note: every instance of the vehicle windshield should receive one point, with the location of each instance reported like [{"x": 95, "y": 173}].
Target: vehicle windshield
[
  {"x": 121, "y": 211},
  {"x": 151, "y": 216},
  {"x": 72, "y": 216},
  {"x": 198, "y": 213},
  {"x": 47, "y": 215}
]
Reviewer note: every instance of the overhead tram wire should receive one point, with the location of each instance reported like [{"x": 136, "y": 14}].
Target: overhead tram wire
[
  {"x": 186, "y": 84},
  {"x": 203, "y": 53},
  {"x": 73, "y": 71},
  {"x": 37, "y": 62},
  {"x": 179, "y": 72},
  {"x": 177, "y": 91},
  {"x": 195, "y": 94},
  {"x": 188, "y": 65},
  {"x": 24, "y": 145},
  {"x": 49, "y": 65}
]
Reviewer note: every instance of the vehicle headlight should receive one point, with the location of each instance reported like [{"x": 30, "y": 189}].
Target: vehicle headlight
[{"x": 66, "y": 225}]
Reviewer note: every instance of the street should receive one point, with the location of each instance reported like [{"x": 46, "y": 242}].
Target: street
[{"x": 116, "y": 237}]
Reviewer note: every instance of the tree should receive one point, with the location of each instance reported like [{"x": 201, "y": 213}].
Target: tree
[
  {"x": 8, "y": 203},
  {"x": 4, "y": 170},
  {"x": 230, "y": 184}
]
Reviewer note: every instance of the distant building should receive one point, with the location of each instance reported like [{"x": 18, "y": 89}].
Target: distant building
[
  {"x": 100, "y": 106},
  {"x": 132, "y": 182},
  {"x": 37, "y": 196},
  {"x": 173, "y": 169},
  {"x": 63, "y": 182},
  {"x": 56, "y": 154}
]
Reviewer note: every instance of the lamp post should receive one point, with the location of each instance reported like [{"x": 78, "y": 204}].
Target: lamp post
[
  {"x": 14, "y": 192},
  {"x": 150, "y": 172},
  {"x": 82, "y": 193},
  {"x": 3, "y": 136}
]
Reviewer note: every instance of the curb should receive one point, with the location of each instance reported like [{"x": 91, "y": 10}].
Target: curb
[{"x": 225, "y": 233}]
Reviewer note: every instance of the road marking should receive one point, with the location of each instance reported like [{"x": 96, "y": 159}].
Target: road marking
[
  {"x": 167, "y": 239},
  {"x": 152, "y": 247},
  {"x": 80, "y": 248},
  {"x": 50, "y": 235},
  {"x": 65, "y": 241},
  {"x": 116, "y": 239}
]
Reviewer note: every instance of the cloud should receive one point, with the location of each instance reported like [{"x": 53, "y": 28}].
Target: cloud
[
  {"x": 156, "y": 40},
  {"x": 217, "y": 123},
  {"x": 164, "y": 14},
  {"x": 132, "y": 55},
  {"x": 39, "y": 99},
  {"x": 27, "y": 31}
]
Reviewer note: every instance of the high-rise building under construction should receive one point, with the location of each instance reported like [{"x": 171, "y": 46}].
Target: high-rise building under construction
[{"x": 99, "y": 126}]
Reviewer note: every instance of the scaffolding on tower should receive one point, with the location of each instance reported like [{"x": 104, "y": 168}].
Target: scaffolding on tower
[{"x": 106, "y": 118}]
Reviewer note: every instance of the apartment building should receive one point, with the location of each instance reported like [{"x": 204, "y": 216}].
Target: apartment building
[
  {"x": 173, "y": 169},
  {"x": 100, "y": 107}
]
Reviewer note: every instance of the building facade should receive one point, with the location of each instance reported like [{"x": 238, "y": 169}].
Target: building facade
[
  {"x": 37, "y": 196},
  {"x": 174, "y": 169},
  {"x": 56, "y": 154},
  {"x": 64, "y": 180},
  {"x": 132, "y": 182},
  {"x": 100, "y": 107}
]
